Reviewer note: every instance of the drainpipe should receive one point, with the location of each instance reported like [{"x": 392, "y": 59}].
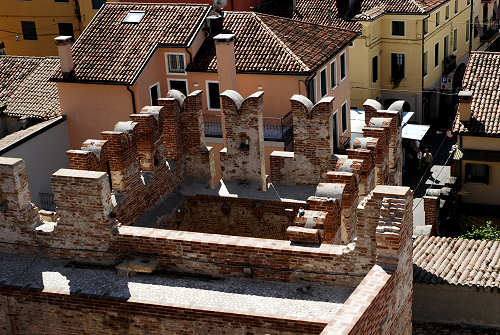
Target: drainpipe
[
  {"x": 133, "y": 98},
  {"x": 190, "y": 55},
  {"x": 422, "y": 70},
  {"x": 470, "y": 26}
]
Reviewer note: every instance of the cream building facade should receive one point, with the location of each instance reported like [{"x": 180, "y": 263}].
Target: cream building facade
[
  {"x": 406, "y": 49},
  {"x": 28, "y": 27}
]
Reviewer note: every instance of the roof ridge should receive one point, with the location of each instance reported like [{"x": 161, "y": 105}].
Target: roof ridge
[
  {"x": 119, "y": 3},
  {"x": 283, "y": 44},
  {"x": 308, "y": 23}
]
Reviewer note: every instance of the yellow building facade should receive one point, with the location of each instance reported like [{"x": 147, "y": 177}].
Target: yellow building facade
[
  {"x": 28, "y": 27},
  {"x": 403, "y": 56}
]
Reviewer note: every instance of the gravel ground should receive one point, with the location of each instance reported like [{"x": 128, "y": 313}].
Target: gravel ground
[{"x": 236, "y": 295}]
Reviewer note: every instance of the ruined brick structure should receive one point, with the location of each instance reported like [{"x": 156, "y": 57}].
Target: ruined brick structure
[{"x": 211, "y": 256}]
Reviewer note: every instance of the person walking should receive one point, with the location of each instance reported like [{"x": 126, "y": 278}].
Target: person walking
[
  {"x": 427, "y": 159},
  {"x": 419, "y": 159}
]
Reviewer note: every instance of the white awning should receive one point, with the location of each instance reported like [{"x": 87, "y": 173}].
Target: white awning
[
  {"x": 415, "y": 131},
  {"x": 410, "y": 131}
]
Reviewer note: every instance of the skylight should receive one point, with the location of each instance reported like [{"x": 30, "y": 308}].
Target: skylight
[{"x": 134, "y": 16}]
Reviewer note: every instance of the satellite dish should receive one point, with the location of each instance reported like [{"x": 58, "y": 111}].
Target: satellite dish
[{"x": 220, "y": 4}]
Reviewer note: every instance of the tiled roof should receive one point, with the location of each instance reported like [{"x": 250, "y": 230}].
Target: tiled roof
[
  {"x": 482, "y": 77},
  {"x": 326, "y": 11},
  {"x": 266, "y": 43},
  {"x": 111, "y": 51},
  {"x": 25, "y": 90},
  {"x": 454, "y": 261}
]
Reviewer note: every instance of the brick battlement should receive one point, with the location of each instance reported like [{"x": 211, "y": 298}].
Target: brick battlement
[{"x": 155, "y": 170}]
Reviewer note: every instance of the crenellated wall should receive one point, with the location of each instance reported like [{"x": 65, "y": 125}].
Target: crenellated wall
[
  {"x": 242, "y": 159},
  {"x": 348, "y": 233}
]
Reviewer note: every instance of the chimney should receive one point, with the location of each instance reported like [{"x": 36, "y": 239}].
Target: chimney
[
  {"x": 64, "y": 50},
  {"x": 464, "y": 104},
  {"x": 2, "y": 48},
  {"x": 215, "y": 23},
  {"x": 226, "y": 63}
]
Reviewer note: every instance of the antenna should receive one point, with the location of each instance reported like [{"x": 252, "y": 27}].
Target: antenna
[{"x": 220, "y": 4}]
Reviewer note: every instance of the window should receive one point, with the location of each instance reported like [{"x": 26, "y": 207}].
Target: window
[
  {"x": 374, "y": 69},
  {"x": 175, "y": 63},
  {"x": 134, "y": 16},
  {"x": 335, "y": 141},
  {"x": 179, "y": 85},
  {"x": 426, "y": 26},
  {"x": 311, "y": 90},
  {"x": 398, "y": 28},
  {"x": 437, "y": 19},
  {"x": 96, "y": 4},
  {"x": 477, "y": 173},
  {"x": 456, "y": 6},
  {"x": 447, "y": 13},
  {"x": 154, "y": 93},
  {"x": 344, "y": 117},
  {"x": 66, "y": 29},
  {"x": 29, "y": 30},
  {"x": 397, "y": 67},
  {"x": 424, "y": 65},
  {"x": 446, "y": 46},
  {"x": 467, "y": 31},
  {"x": 333, "y": 74},
  {"x": 455, "y": 39},
  {"x": 476, "y": 24},
  {"x": 323, "y": 83},
  {"x": 343, "y": 70},
  {"x": 213, "y": 95},
  {"x": 436, "y": 55}
]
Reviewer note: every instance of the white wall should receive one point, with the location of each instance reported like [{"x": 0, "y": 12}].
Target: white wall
[{"x": 44, "y": 154}]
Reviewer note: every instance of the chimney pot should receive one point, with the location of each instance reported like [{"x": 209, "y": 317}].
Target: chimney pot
[
  {"x": 63, "y": 44},
  {"x": 464, "y": 105}
]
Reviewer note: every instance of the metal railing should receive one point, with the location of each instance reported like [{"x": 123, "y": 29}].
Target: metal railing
[
  {"x": 213, "y": 125},
  {"x": 47, "y": 201},
  {"x": 275, "y": 129}
]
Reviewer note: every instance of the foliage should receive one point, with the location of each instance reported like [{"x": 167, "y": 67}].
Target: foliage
[{"x": 486, "y": 232}]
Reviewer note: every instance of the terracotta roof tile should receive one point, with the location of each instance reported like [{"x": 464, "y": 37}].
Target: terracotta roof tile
[
  {"x": 25, "y": 90},
  {"x": 482, "y": 77},
  {"x": 111, "y": 51},
  {"x": 326, "y": 11},
  {"x": 266, "y": 43},
  {"x": 454, "y": 261}
]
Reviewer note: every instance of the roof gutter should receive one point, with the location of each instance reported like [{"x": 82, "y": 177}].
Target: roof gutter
[{"x": 132, "y": 95}]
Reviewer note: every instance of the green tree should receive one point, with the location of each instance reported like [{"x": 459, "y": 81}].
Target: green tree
[{"x": 486, "y": 232}]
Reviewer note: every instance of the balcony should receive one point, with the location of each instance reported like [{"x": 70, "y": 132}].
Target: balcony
[
  {"x": 449, "y": 64},
  {"x": 275, "y": 129}
]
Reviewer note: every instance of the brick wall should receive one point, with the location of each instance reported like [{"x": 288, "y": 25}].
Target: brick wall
[
  {"x": 26, "y": 312},
  {"x": 311, "y": 159},
  {"x": 381, "y": 304},
  {"x": 151, "y": 155},
  {"x": 233, "y": 216},
  {"x": 243, "y": 158}
]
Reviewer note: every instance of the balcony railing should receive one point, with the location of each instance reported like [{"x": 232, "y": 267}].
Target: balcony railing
[{"x": 275, "y": 129}]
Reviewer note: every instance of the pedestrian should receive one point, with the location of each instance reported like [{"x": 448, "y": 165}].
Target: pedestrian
[
  {"x": 419, "y": 159},
  {"x": 427, "y": 158}
]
